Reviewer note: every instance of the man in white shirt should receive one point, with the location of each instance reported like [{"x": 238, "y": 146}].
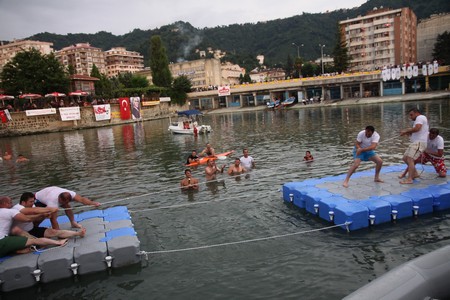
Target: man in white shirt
[
  {"x": 247, "y": 161},
  {"x": 366, "y": 142},
  {"x": 418, "y": 137},
  {"x": 10, "y": 244},
  {"x": 434, "y": 153},
  {"x": 54, "y": 196},
  {"x": 26, "y": 206}
]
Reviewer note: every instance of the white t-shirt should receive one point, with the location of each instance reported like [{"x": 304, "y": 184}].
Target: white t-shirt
[
  {"x": 365, "y": 141},
  {"x": 422, "y": 134},
  {"x": 49, "y": 196},
  {"x": 247, "y": 162},
  {"x": 26, "y": 226},
  {"x": 6, "y": 219},
  {"x": 435, "y": 145}
]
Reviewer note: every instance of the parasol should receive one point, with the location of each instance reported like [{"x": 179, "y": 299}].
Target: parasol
[{"x": 55, "y": 95}]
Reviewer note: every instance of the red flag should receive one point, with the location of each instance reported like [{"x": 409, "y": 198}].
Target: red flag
[
  {"x": 3, "y": 116},
  {"x": 125, "y": 110}
]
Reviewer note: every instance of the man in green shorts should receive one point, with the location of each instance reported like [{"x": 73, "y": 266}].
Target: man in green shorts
[{"x": 12, "y": 244}]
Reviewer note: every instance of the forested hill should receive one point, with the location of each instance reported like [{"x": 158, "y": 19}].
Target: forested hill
[{"x": 243, "y": 42}]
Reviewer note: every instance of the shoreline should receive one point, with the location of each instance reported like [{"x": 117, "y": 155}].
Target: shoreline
[{"x": 354, "y": 101}]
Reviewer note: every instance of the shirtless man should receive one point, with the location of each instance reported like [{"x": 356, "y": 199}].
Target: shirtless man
[
  {"x": 208, "y": 151},
  {"x": 236, "y": 168},
  {"x": 211, "y": 170},
  {"x": 7, "y": 156},
  {"x": 26, "y": 207},
  {"x": 21, "y": 158},
  {"x": 189, "y": 182}
]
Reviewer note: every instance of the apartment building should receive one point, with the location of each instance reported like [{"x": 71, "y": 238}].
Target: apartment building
[
  {"x": 383, "y": 37},
  {"x": 427, "y": 32},
  {"x": 231, "y": 73},
  {"x": 203, "y": 73},
  {"x": 82, "y": 57},
  {"x": 119, "y": 60},
  {"x": 8, "y": 51}
]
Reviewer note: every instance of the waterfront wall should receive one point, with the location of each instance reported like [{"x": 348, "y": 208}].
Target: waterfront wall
[{"x": 21, "y": 124}]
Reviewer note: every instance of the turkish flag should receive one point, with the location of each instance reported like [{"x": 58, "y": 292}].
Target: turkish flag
[{"x": 125, "y": 109}]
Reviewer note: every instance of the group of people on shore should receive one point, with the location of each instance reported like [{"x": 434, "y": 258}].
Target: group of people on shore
[
  {"x": 19, "y": 223},
  {"x": 426, "y": 145},
  {"x": 240, "y": 165}
]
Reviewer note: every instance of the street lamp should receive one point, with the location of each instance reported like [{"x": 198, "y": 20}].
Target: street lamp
[
  {"x": 321, "y": 55},
  {"x": 298, "y": 49}
]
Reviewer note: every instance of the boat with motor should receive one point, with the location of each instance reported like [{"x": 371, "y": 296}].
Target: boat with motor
[
  {"x": 187, "y": 123},
  {"x": 273, "y": 104},
  {"x": 289, "y": 102}
]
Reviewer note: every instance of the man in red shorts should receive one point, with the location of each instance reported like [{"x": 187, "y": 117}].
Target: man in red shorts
[{"x": 434, "y": 153}]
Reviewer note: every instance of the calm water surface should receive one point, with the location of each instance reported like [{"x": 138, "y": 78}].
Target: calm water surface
[{"x": 141, "y": 165}]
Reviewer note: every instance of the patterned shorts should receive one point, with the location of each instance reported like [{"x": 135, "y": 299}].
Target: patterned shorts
[{"x": 437, "y": 162}]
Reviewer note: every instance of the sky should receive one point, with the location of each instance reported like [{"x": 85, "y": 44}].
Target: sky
[{"x": 23, "y": 18}]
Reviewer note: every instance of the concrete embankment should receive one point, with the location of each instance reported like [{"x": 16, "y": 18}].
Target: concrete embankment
[
  {"x": 21, "y": 124},
  {"x": 353, "y": 101}
]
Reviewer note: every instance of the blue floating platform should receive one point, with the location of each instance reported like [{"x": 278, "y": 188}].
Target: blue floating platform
[
  {"x": 110, "y": 242},
  {"x": 365, "y": 202}
]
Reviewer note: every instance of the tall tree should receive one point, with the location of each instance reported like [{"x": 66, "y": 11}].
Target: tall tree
[
  {"x": 103, "y": 86},
  {"x": 289, "y": 65},
  {"x": 298, "y": 67},
  {"x": 159, "y": 63},
  {"x": 181, "y": 86},
  {"x": 340, "y": 53},
  {"x": 32, "y": 72},
  {"x": 441, "y": 51}
]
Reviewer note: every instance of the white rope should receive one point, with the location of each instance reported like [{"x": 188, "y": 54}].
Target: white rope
[
  {"x": 242, "y": 242},
  {"x": 195, "y": 203}
]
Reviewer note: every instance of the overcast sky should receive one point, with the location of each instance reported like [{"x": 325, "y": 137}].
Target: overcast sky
[{"x": 23, "y": 18}]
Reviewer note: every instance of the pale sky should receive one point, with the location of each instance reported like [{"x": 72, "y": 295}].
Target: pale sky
[{"x": 22, "y": 18}]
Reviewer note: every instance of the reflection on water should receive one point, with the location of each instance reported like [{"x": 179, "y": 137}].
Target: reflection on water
[{"x": 140, "y": 165}]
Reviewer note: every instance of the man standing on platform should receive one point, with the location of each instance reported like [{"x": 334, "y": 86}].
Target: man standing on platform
[
  {"x": 418, "y": 137},
  {"x": 366, "y": 142}
]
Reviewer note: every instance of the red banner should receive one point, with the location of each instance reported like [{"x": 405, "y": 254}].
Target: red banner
[{"x": 125, "y": 109}]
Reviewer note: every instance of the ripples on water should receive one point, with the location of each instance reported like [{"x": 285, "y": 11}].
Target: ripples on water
[{"x": 143, "y": 164}]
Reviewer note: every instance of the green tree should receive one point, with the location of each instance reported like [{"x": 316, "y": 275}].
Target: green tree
[
  {"x": 32, "y": 72},
  {"x": 298, "y": 67},
  {"x": 181, "y": 86},
  {"x": 340, "y": 53},
  {"x": 159, "y": 63},
  {"x": 289, "y": 66},
  {"x": 441, "y": 51},
  {"x": 103, "y": 87},
  {"x": 309, "y": 69}
]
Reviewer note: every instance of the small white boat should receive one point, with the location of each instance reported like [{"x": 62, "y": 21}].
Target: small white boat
[{"x": 187, "y": 123}]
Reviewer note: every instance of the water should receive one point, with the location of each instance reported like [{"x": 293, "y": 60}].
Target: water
[{"x": 141, "y": 166}]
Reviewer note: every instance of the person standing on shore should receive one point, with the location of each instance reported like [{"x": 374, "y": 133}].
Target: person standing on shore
[
  {"x": 418, "y": 137},
  {"x": 366, "y": 142}
]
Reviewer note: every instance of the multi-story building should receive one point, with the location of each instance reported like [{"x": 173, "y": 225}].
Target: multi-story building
[
  {"x": 203, "y": 73},
  {"x": 383, "y": 37},
  {"x": 119, "y": 60},
  {"x": 427, "y": 32},
  {"x": 82, "y": 57},
  {"x": 231, "y": 73},
  {"x": 8, "y": 51}
]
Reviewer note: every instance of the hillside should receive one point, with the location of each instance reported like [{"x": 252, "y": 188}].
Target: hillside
[{"x": 243, "y": 42}]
